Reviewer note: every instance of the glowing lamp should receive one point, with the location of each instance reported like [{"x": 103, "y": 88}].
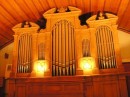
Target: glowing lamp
[
  {"x": 40, "y": 67},
  {"x": 86, "y": 63}
]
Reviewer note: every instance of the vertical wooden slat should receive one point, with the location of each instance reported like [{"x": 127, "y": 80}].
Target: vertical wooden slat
[
  {"x": 38, "y": 7},
  {"x": 57, "y": 3},
  {"x": 79, "y": 4},
  {"x": 72, "y": 2},
  {"x": 125, "y": 18},
  {"x": 44, "y": 4},
  {"x": 51, "y": 3},
  {"x": 114, "y": 9},
  {"x": 65, "y": 3},
  {"x": 121, "y": 10},
  {"x": 8, "y": 6},
  {"x": 6, "y": 17},
  {"x": 107, "y": 5},
  {"x": 17, "y": 12},
  {"x": 87, "y": 6},
  {"x": 100, "y": 5},
  {"x": 94, "y": 6},
  {"x": 25, "y": 9},
  {"x": 32, "y": 9}
]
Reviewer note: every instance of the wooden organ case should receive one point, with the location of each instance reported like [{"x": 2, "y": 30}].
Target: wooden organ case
[{"x": 66, "y": 59}]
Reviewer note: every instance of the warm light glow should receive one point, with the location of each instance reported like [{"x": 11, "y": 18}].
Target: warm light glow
[
  {"x": 87, "y": 66},
  {"x": 86, "y": 63},
  {"x": 40, "y": 67}
]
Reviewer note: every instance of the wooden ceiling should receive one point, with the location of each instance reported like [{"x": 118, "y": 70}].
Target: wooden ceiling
[{"x": 13, "y": 12}]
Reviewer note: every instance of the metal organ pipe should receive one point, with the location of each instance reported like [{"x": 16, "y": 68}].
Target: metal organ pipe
[
  {"x": 105, "y": 48},
  {"x": 24, "y": 53},
  {"x": 63, "y": 50}
]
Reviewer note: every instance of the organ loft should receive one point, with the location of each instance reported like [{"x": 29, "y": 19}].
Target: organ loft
[{"x": 67, "y": 56}]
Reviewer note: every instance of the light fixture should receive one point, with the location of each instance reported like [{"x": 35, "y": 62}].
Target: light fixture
[
  {"x": 87, "y": 64},
  {"x": 40, "y": 67}
]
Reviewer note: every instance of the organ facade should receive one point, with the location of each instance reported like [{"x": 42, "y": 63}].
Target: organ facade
[{"x": 66, "y": 55}]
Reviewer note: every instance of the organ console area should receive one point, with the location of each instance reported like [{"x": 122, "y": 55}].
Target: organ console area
[{"x": 67, "y": 59}]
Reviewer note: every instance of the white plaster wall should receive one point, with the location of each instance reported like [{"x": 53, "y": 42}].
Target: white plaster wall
[
  {"x": 124, "y": 41},
  {"x": 3, "y": 61}
]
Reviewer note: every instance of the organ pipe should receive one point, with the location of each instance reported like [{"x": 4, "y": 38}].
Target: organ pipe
[
  {"x": 105, "y": 48},
  {"x": 24, "y": 54},
  {"x": 63, "y": 52}
]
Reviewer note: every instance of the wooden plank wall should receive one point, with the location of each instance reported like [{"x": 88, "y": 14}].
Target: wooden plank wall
[
  {"x": 72, "y": 86},
  {"x": 16, "y": 11}
]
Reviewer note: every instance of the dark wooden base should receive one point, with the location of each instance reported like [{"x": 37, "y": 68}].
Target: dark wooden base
[{"x": 108, "y": 85}]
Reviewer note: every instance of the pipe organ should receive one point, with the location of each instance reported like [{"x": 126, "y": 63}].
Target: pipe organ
[
  {"x": 64, "y": 42},
  {"x": 81, "y": 59}
]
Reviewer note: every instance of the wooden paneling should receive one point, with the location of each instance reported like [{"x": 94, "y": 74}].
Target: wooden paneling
[
  {"x": 125, "y": 19},
  {"x": 25, "y": 9},
  {"x": 2, "y": 39},
  {"x": 7, "y": 18},
  {"x": 101, "y": 5},
  {"x": 21, "y": 91},
  {"x": 11, "y": 10},
  {"x": 122, "y": 7},
  {"x": 76, "y": 86},
  {"x": 44, "y": 5},
  {"x": 72, "y": 2},
  {"x": 107, "y": 5},
  {"x": 80, "y": 4},
  {"x": 94, "y": 6},
  {"x": 16, "y": 11},
  {"x": 32, "y": 8},
  {"x": 87, "y": 6},
  {"x": 114, "y": 7},
  {"x": 51, "y": 3}
]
